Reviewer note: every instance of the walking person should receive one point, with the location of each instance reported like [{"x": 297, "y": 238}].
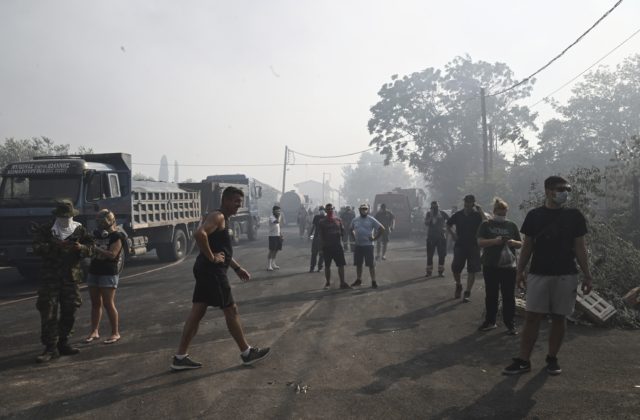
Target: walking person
[
  {"x": 331, "y": 230},
  {"x": 388, "y": 220},
  {"x": 554, "y": 239},
  {"x": 436, "y": 222},
  {"x": 347, "y": 217},
  {"x": 465, "y": 249},
  {"x": 366, "y": 231},
  {"x": 275, "y": 238},
  {"x": 62, "y": 244},
  {"x": 302, "y": 220},
  {"x": 316, "y": 246},
  {"x": 499, "y": 238},
  {"x": 104, "y": 274},
  {"x": 212, "y": 285}
]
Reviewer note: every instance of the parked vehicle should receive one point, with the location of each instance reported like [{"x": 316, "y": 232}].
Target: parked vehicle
[
  {"x": 247, "y": 220},
  {"x": 399, "y": 205},
  {"x": 290, "y": 205},
  {"x": 156, "y": 216}
]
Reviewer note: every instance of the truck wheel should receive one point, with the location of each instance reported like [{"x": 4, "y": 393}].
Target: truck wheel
[{"x": 176, "y": 249}]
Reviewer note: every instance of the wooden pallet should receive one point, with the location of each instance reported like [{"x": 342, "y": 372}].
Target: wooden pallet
[{"x": 594, "y": 307}]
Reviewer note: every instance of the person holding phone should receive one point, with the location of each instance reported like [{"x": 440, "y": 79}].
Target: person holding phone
[{"x": 499, "y": 238}]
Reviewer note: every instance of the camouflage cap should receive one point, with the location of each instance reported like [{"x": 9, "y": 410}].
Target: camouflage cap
[{"x": 64, "y": 208}]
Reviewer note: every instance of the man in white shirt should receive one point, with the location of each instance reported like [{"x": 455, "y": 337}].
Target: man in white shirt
[
  {"x": 275, "y": 238},
  {"x": 366, "y": 230}
]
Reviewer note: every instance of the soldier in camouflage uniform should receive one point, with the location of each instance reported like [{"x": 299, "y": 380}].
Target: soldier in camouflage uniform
[{"x": 62, "y": 244}]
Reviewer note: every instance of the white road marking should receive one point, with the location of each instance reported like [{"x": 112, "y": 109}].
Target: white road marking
[{"x": 85, "y": 286}]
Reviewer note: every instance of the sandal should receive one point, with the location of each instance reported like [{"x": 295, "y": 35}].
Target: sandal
[
  {"x": 91, "y": 339},
  {"x": 111, "y": 340}
]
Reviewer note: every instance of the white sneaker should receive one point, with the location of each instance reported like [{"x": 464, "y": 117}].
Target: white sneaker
[
  {"x": 269, "y": 268},
  {"x": 275, "y": 267}
]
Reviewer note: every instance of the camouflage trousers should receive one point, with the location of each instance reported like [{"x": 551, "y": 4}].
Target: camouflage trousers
[{"x": 54, "y": 293}]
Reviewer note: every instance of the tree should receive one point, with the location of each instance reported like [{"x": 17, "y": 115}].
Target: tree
[
  {"x": 371, "y": 177},
  {"x": 164, "y": 169},
  {"x": 431, "y": 120},
  {"x": 25, "y": 149},
  {"x": 596, "y": 121},
  {"x": 139, "y": 176}
]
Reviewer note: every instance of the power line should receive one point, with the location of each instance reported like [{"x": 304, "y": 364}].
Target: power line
[
  {"x": 587, "y": 69},
  {"x": 331, "y": 157},
  {"x": 261, "y": 164},
  {"x": 559, "y": 55}
]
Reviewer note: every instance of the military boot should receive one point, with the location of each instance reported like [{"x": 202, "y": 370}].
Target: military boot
[
  {"x": 49, "y": 354},
  {"x": 67, "y": 350}
]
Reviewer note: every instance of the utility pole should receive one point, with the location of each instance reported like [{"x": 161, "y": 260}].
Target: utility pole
[
  {"x": 485, "y": 161},
  {"x": 284, "y": 171},
  {"x": 491, "y": 148}
]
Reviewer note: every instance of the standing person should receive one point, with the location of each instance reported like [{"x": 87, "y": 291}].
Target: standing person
[
  {"x": 499, "y": 238},
  {"x": 62, "y": 244},
  {"x": 275, "y": 238},
  {"x": 104, "y": 275},
  {"x": 554, "y": 238},
  {"x": 302, "y": 220},
  {"x": 316, "y": 246},
  {"x": 466, "y": 250},
  {"x": 309, "y": 222},
  {"x": 366, "y": 231},
  {"x": 436, "y": 222},
  {"x": 212, "y": 285},
  {"x": 331, "y": 230},
  {"x": 388, "y": 220},
  {"x": 347, "y": 218}
]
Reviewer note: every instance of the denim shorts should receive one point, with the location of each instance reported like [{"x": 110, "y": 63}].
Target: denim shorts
[{"x": 97, "y": 280}]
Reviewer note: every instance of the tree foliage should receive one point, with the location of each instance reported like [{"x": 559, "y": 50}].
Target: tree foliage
[
  {"x": 371, "y": 177},
  {"x": 601, "y": 115},
  {"x": 13, "y": 150},
  {"x": 432, "y": 120}
]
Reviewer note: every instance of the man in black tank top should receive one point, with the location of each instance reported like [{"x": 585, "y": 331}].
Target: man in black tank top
[{"x": 212, "y": 285}]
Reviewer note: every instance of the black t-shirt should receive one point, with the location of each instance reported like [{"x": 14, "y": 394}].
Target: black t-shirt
[
  {"x": 553, "y": 232},
  {"x": 102, "y": 267},
  {"x": 466, "y": 227},
  {"x": 331, "y": 232}
]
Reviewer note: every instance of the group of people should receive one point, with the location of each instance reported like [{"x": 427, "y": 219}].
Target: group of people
[
  {"x": 553, "y": 239},
  {"x": 63, "y": 244}
]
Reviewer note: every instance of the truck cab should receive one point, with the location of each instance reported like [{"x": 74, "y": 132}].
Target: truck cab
[{"x": 30, "y": 190}]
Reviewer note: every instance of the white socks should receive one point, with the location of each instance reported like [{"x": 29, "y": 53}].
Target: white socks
[{"x": 246, "y": 352}]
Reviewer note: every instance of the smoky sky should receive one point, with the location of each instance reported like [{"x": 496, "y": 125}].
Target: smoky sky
[{"x": 232, "y": 83}]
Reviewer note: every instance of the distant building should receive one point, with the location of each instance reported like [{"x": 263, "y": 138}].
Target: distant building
[{"x": 313, "y": 190}]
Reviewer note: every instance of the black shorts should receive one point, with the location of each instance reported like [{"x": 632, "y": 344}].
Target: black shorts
[
  {"x": 469, "y": 255},
  {"x": 333, "y": 254},
  {"x": 363, "y": 252},
  {"x": 275, "y": 243},
  {"x": 212, "y": 288}
]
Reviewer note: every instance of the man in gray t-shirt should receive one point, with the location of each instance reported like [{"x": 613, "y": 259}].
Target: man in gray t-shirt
[{"x": 366, "y": 230}]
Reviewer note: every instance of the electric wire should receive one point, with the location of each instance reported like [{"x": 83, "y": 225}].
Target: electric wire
[
  {"x": 526, "y": 79},
  {"x": 586, "y": 70}
]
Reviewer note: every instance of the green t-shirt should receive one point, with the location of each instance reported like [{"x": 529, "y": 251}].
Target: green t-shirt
[{"x": 491, "y": 229}]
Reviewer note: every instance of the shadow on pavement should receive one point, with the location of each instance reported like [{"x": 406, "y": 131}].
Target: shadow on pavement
[
  {"x": 407, "y": 320},
  {"x": 502, "y": 401},
  {"x": 464, "y": 352},
  {"x": 113, "y": 394}
]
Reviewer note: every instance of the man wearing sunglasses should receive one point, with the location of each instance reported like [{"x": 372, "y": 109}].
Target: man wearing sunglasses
[{"x": 554, "y": 239}]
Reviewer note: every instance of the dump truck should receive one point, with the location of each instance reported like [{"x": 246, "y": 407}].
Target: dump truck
[{"x": 154, "y": 215}]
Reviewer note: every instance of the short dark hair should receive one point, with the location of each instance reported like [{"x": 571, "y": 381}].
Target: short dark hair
[
  {"x": 554, "y": 180},
  {"x": 275, "y": 208},
  {"x": 434, "y": 203},
  {"x": 229, "y": 192},
  {"x": 470, "y": 197}
]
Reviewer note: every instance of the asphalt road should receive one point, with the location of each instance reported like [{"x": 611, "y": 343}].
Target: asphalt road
[{"x": 405, "y": 350}]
